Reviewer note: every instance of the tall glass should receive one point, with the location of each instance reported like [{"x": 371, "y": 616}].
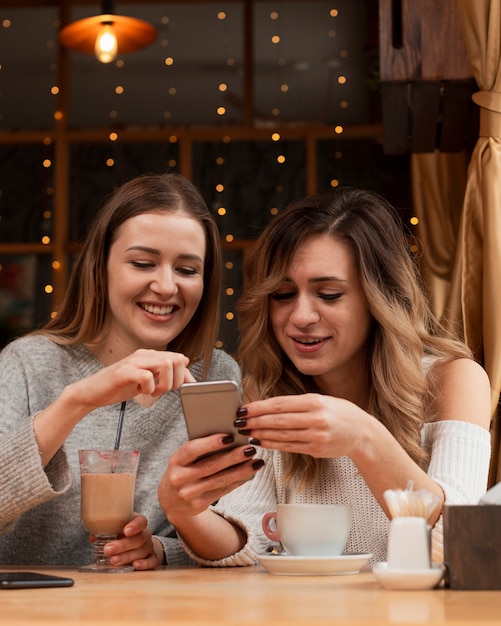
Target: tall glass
[{"x": 108, "y": 479}]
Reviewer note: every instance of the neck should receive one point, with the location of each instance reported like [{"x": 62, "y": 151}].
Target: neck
[
  {"x": 106, "y": 350},
  {"x": 356, "y": 389}
]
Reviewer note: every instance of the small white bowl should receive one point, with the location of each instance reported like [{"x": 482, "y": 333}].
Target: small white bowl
[{"x": 408, "y": 579}]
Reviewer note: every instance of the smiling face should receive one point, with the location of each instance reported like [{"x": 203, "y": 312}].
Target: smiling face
[
  {"x": 155, "y": 282},
  {"x": 320, "y": 315}
]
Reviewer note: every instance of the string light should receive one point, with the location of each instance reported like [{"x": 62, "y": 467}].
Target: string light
[{"x": 285, "y": 87}]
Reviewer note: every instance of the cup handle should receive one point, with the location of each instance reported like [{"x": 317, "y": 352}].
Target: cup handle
[{"x": 271, "y": 533}]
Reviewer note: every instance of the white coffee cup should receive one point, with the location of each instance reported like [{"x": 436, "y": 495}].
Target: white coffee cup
[
  {"x": 409, "y": 544},
  {"x": 309, "y": 529}
]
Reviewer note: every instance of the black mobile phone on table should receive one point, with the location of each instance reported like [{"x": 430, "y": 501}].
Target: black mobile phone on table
[
  {"x": 210, "y": 407},
  {"x": 26, "y": 580}
]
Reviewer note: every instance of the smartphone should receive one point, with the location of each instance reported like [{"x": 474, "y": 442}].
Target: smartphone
[
  {"x": 210, "y": 407},
  {"x": 24, "y": 580}
]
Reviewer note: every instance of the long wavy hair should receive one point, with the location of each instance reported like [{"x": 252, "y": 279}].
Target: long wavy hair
[
  {"x": 81, "y": 317},
  {"x": 403, "y": 330}
]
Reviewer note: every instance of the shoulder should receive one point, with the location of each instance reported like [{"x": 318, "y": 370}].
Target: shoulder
[
  {"x": 220, "y": 356},
  {"x": 460, "y": 390},
  {"x": 31, "y": 361},
  {"x": 222, "y": 365},
  {"x": 31, "y": 344},
  {"x": 459, "y": 370},
  {"x": 41, "y": 352}
]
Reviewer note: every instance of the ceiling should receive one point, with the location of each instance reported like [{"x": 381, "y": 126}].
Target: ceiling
[{"x": 318, "y": 72}]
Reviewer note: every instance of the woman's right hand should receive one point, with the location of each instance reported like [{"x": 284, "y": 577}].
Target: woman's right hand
[
  {"x": 190, "y": 484},
  {"x": 146, "y": 372}
]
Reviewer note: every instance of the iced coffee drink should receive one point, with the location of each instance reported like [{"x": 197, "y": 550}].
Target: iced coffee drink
[
  {"x": 107, "y": 502},
  {"x": 108, "y": 479}
]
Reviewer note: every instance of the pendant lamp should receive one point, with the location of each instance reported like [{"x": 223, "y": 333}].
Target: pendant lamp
[{"x": 107, "y": 35}]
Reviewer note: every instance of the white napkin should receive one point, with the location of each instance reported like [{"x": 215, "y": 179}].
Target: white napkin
[
  {"x": 493, "y": 496},
  {"x": 145, "y": 400}
]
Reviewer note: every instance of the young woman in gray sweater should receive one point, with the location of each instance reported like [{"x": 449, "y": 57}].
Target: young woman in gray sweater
[{"x": 138, "y": 319}]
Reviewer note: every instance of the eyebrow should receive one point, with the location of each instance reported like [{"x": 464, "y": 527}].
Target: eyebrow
[
  {"x": 322, "y": 279},
  {"x": 157, "y": 252}
]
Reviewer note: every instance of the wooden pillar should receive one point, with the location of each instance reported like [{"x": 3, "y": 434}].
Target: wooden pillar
[
  {"x": 426, "y": 79},
  {"x": 60, "y": 258}
]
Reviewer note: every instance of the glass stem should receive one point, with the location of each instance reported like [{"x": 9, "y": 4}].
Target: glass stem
[{"x": 101, "y": 540}]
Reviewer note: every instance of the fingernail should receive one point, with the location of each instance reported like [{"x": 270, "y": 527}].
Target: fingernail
[
  {"x": 255, "y": 442},
  {"x": 241, "y": 421},
  {"x": 242, "y": 412},
  {"x": 250, "y": 451},
  {"x": 257, "y": 464},
  {"x": 244, "y": 431},
  {"x": 228, "y": 439}
]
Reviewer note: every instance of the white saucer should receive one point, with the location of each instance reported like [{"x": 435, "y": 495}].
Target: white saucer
[
  {"x": 313, "y": 565},
  {"x": 408, "y": 579}
]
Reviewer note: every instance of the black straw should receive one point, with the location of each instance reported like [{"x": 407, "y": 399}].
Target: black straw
[{"x": 120, "y": 424}]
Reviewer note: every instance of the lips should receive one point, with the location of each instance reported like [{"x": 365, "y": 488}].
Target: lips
[
  {"x": 157, "y": 310},
  {"x": 307, "y": 341},
  {"x": 309, "y": 344}
]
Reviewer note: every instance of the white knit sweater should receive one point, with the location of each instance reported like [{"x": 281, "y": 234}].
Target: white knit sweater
[{"x": 460, "y": 454}]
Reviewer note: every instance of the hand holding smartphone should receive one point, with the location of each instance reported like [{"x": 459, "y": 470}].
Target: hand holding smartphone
[{"x": 210, "y": 407}]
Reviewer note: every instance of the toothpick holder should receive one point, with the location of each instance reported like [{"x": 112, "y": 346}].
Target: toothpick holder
[{"x": 409, "y": 544}]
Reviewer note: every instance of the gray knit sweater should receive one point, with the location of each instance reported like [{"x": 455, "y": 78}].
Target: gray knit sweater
[{"x": 40, "y": 508}]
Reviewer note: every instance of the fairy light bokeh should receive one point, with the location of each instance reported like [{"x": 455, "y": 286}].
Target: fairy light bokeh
[{"x": 310, "y": 70}]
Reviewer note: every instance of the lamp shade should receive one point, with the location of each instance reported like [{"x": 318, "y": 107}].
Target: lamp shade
[{"x": 131, "y": 33}]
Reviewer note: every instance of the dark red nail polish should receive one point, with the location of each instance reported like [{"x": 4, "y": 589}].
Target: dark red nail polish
[
  {"x": 228, "y": 439},
  {"x": 250, "y": 451},
  {"x": 257, "y": 464},
  {"x": 244, "y": 431},
  {"x": 254, "y": 442},
  {"x": 239, "y": 422},
  {"x": 241, "y": 412}
]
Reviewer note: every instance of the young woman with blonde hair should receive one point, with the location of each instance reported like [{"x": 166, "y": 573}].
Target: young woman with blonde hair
[{"x": 351, "y": 386}]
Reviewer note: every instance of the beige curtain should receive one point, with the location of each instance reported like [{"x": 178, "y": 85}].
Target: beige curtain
[
  {"x": 438, "y": 186},
  {"x": 476, "y": 277}
]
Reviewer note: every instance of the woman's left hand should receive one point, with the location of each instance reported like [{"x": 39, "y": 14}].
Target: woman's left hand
[
  {"x": 314, "y": 424},
  {"x": 137, "y": 547}
]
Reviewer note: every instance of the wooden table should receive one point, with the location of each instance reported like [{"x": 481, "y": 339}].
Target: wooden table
[{"x": 239, "y": 596}]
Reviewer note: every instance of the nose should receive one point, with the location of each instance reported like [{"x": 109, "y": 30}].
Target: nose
[
  {"x": 164, "y": 281},
  {"x": 304, "y": 312}
]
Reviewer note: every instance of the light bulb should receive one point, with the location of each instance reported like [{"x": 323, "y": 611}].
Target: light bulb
[{"x": 105, "y": 48}]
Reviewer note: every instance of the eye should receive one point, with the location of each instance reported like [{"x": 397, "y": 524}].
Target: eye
[
  {"x": 142, "y": 264},
  {"x": 285, "y": 295},
  {"x": 188, "y": 271},
  {"x": 330, "y": 296}
]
